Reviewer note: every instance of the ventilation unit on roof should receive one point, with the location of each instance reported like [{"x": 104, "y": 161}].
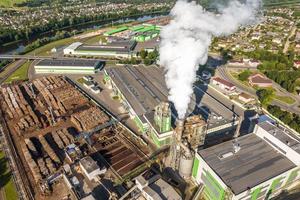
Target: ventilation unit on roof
[
  {"x": 236, "y": 146},
  {"x": 226, "y": 155}
]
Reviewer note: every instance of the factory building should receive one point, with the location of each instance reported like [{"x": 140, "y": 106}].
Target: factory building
[
  {"x": 255, "y": 166},
  {"x": 124, "y": 49},
  {"x": 153, "y": 187},
  {"x": 90, "y": 168},
  {"x": 142, "y": 89},
  {"x": 68, "y": 66}
]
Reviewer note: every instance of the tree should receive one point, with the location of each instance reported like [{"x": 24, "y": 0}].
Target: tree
[
  {"x": 147, "y": 61},
  {"x": 265, "y": 96},
  {"x": 244, "y": 75},
  {"x": 143, "y": 54}
]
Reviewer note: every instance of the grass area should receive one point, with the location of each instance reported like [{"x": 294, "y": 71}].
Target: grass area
[
  {"x": 95, "y": 39},
  {"x": 10, "y": 3},
  {"x": 6, "y": 181},
  {"x": 46, "y": 49},
  {"x": 285, "y": 99},
  {"x": 19, "y": 74}
]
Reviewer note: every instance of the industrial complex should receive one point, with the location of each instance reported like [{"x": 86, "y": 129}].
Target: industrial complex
[
  {"x": 141, "y": 89},
  {"x": 85, "y": 127}
]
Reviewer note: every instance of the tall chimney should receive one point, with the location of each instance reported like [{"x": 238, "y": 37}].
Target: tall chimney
[{"x": 179, "y": 129}]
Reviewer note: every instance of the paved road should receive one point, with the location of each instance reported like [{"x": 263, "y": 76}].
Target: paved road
[
  {"x": 223, "y": 73},
  {"x": 11, "y": 69}
]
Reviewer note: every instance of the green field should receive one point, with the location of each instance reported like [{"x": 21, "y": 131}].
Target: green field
[
  {"x": 46, "y": 49},
  {"x": 10, "y": 3},
  {"x": 19, "y": 74},
  {"x": 6, "y": 181}
]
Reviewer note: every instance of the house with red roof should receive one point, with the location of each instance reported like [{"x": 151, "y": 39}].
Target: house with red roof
[
  {"x": 223, "y": 84},
  {"x": 259, "y": 80}
]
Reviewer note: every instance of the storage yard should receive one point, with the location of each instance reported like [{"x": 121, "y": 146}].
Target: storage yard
[
  {"x": 116, "y": 152},
  {"x": 47, "y": 115}
]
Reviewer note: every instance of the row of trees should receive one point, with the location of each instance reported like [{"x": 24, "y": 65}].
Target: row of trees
[
  {"x": 286, "y": 79},
  {"x": 37, "y": 3},
  {"x": 148, "y": 57},
  {"x": 145, "y": 57},
  {"x": 10, "y": 35},
  {"x": 264, "y": 55},
  {"x": 45, "y": 40},
  {"x": 292, "y": 120}
]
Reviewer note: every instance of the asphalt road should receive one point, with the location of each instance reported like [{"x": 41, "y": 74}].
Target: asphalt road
[{"x": 223, "y": 73}]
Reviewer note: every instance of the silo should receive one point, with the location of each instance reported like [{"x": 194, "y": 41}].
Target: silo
[{"x": 185, "y": 162}]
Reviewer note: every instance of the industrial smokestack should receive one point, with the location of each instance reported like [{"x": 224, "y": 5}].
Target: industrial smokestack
[
  {"x": 179, "y": 129},
  {"x": 186, "y": 40}
]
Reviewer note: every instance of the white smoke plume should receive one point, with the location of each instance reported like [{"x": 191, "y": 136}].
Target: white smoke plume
[{"x": 186, "y": 39}]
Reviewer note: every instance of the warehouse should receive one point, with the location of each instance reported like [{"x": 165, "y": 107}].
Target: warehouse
[
  {"x": 141, "y": 89},
  {"x": 68, "y": 66},
  {"x": 255, "y": 166},
  {"x": 124, "y": 49}
]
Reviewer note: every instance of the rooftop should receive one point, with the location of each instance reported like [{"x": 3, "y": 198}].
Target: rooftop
[
  {"x": 145, "y": 87},
  {"x": 246, "y": 96},
  {"x": 258, "y": 78},
  {"x": 282, "y": 134},
  {"x": 119, "y": 46},
  {"x": 161, "y": 190},
  {"x": 224, "y": 82},
  {"x": 253, "y": 164},
  {"x": 89, "y": 164},
  {"x": 73, "y": 63}
]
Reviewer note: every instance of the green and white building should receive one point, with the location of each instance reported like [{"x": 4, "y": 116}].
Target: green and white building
[
  {"x": 57, "y": 66},
  {"x": 252, "y": 167},
  {"x": 159, "y": 123},
  {"x": 133, "y": 87}
]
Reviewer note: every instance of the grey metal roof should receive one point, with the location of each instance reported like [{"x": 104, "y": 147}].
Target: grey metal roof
[
  {"x": 123, "y": 46},
  {"x": 73, "y": 63},
  {"x": 255, "y": 163},
  {"x": 137, "y": 86},
  {"x": 161, "y": 190},
  {"x": 282, "y": 134},
  {"x": 145, "y": 87}
]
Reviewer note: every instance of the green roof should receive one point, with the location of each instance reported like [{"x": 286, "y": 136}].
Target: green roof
[
  {"x": 136, "y": 28},
  {"x": 123, "y": 28}
]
